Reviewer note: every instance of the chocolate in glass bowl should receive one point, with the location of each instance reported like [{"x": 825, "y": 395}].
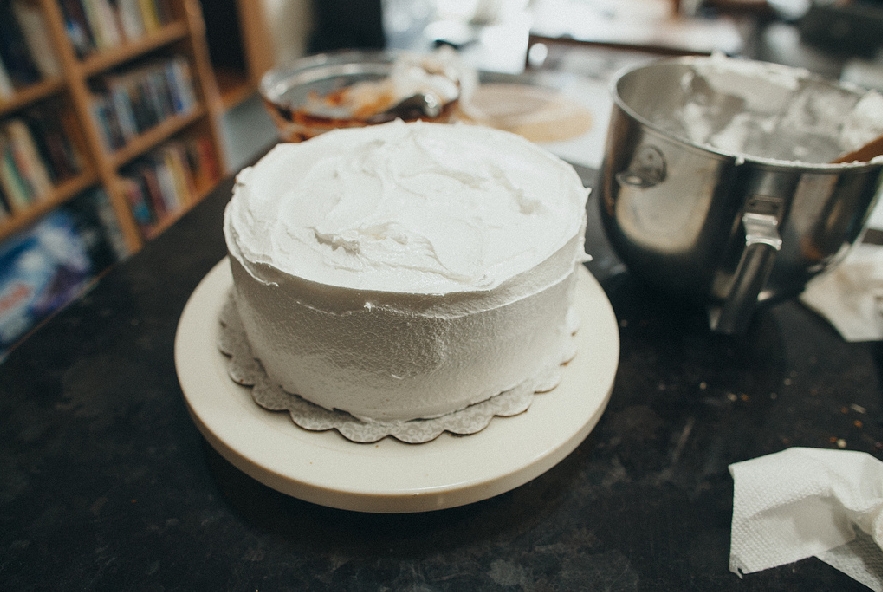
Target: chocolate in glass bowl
[{"x": 354, "y": 89}]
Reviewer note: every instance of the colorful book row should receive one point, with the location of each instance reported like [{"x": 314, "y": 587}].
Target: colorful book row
[
  {"x": 162, "y": 183},
  {"x": 26, "y": 53},
  {"x": 35, "y": 155},
  {"x": 44, "y": 267},
  {"x": 129, "y": 103},
  {"x": 94, "y": 25}
]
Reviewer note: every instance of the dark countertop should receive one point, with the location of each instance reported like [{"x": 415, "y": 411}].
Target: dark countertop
[{"x": 106, "y": 484}]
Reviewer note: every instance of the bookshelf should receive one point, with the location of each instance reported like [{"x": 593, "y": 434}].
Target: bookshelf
[{"x": 140, "y": 66}]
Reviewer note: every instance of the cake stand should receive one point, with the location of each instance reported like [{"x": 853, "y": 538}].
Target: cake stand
[{"x": 390, "y": 476}]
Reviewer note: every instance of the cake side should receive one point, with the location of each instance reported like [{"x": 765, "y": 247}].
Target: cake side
[{"x": 386, "y": 363}]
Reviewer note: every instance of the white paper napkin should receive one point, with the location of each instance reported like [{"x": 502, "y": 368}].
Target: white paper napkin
[
  {"x": 805, "y": 502},
  {"x": 850, "y": 296}
]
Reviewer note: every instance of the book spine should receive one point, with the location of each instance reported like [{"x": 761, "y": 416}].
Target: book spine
[
  {"x": 109, "y": 25},
  {"x": 141, "y": 211},
  {"x": 5, "y": 212},
  {"x": 10, "y": 180},
  {"x": 130, "y": 19},
  {"x": 109, "y": 223},
  {"x": 14, "y": 49},
  {"x": 183, "y": 81},
  {"x": 101, "y": 111},
  {"x": 174, "y": 90},
  {"x": 163, "y": 10},
  {"x": 77, "y": 26},
  {"x": 167, "y": 184},
  {"x": 40, "y": 132},
  {"x": 101, "y": 23},
  {"x": 180, "y": 173},
  {"x": 30, "y": 166},
  {"x": 66, "y": 130},
  {"x": 154, "y": 190},
  {"x": 33, "y": 26},
  {"x": 150, "y": 15},
  {"x": 208, "y": 160},
  {"x": 6, "y": 88},
  {"x": 122, "y": 109}
]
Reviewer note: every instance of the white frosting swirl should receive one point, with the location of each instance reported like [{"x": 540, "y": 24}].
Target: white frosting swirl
[{"x": 419, "y": 208}]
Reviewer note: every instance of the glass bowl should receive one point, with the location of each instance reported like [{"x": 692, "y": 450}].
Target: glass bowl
[{"x": 322, "y": 92}]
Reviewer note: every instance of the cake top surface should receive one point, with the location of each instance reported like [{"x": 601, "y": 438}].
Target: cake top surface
[{"x": 416, "y": 207}]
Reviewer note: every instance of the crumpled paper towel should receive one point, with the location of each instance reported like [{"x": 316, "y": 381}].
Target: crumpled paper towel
[
  {"x": 805, "y": 502},
  {"x": 850, "y": 295}
]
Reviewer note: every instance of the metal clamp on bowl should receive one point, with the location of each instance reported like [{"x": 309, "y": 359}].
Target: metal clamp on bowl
[{"x": 760, "y": 221}]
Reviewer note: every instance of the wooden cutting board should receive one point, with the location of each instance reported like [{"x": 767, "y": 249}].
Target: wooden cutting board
[{"x": 537, "y": 113}]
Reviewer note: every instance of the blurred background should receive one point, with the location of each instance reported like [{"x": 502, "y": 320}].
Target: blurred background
[{"x": 118, "y": 116}]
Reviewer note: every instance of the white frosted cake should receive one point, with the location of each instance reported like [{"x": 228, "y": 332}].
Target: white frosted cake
[{"x": 406, "y": 271}]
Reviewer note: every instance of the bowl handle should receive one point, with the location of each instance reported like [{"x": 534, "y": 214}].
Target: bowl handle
[{"x": 762, "y": 244}]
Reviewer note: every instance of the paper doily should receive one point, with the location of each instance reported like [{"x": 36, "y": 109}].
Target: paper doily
[{"x": 244, "y": 369}]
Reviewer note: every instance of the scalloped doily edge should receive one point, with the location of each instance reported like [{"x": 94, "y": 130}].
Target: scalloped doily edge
[{"x": 246, "y": 370}]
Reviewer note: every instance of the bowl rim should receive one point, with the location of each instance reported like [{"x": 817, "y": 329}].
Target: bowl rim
[
  {"x": 276, "y": 75},
  {"x": 738, "y": 157}
]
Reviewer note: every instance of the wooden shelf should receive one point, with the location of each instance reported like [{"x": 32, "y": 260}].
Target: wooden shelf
[
  {"x": 45, "y": 204},
  {"x": 72, "y": 104},
  {"x": 185, "y": 37},
  {"x": 154, "y": 136},
  {"x": 35, "y": 92},
  {"x": 116, "y": 56},
  {"x": 168, "y": 220}
]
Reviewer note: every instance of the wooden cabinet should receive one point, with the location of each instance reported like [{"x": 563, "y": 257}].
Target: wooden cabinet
[{"x": 114, "y": 149}]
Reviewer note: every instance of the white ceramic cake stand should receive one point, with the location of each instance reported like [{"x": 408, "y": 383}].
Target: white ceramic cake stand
[{"x": 390, "y": 476}]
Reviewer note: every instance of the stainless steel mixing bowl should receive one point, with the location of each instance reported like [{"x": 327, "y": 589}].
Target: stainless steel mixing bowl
[{"x": 717, "y": 185}]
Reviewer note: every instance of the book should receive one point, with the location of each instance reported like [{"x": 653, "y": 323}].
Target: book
[
  {"x": 122, "y": 108},
  {"x": 100, "y": 19},
  {"x": 131, "y": 102},
  {"x": 166, "y": 181},
  {"x": 107, "y": 218},
  {"x": 77, "y": 26},
  {"x": 6, "y": 88},
  {"x": 130, "y": 19},
  {"x": 67, "y": 131},
  {"x": 10, "y": 180},
  {"x": 4, "y": 206},
  {"x": 201, "y": 162},
  {"x": 99, "y": 106},
  {"x": 181, "y": 80},
  {"x": 155, "y": 99},
  {"x": 176, "y": 163},
  {"x": 110, "y": 26},
  {"x": 30, "y": 19},
  {"x": 164, "y": 12},
  {"x": 150, "y": 15},
  {"x": 90, "y": 9},
  {"x": 151, "y": 189},
  {"x": 14, "y": 50},
  {"x": 208, "y": 161},
  {"x": 141, "y": 210},
  {"x": 52, "y": 138},
  {"x": 42, "y": 268},
  {"x": 29, "y": 162}
]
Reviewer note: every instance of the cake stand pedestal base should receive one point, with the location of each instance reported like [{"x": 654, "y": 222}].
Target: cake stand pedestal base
[{"x": 390, "y": 476}]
